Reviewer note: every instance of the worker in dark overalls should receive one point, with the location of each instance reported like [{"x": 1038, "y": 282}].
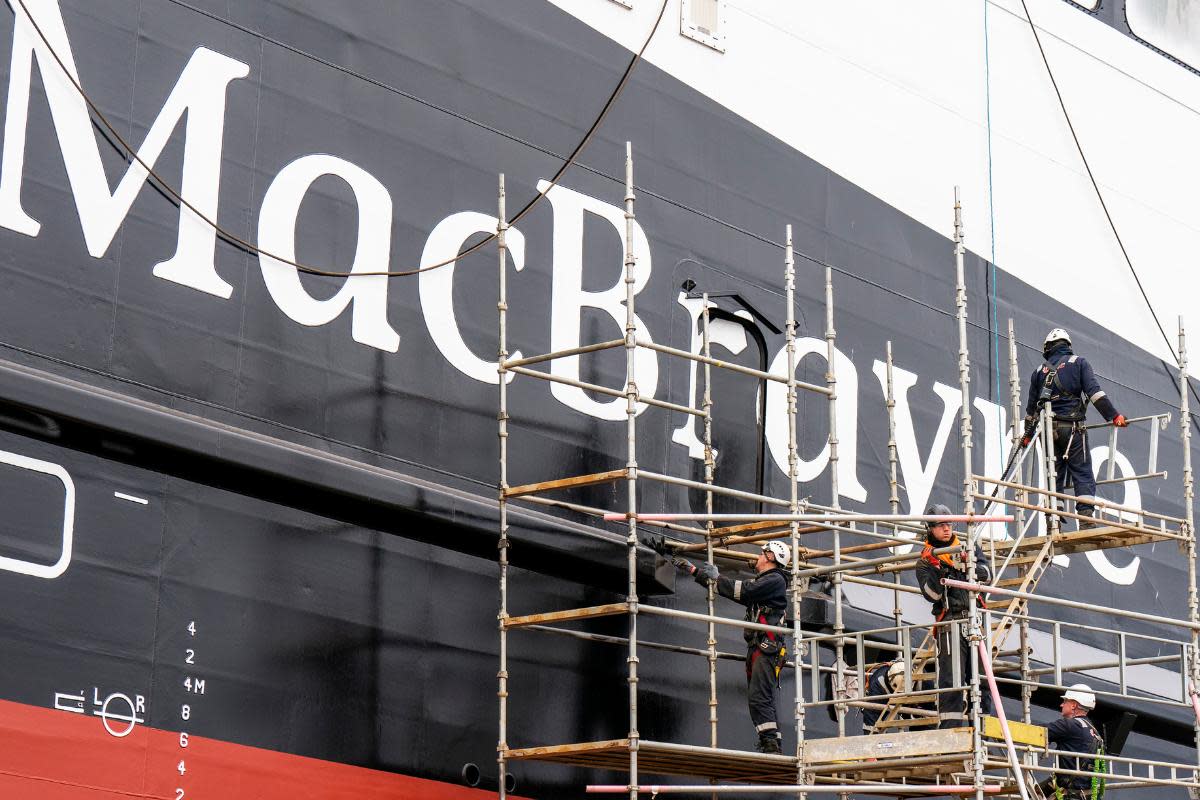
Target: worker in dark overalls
[
  {"x": 951, "y": 605},
  {"x": 1075, "y": 733},
  {"x": 885, "y": 679},
  {"x": 765, "y": 597},
  {"x": 1067, "y": 383}
]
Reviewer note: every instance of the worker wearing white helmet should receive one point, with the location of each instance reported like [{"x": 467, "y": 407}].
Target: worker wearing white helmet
[
  {"x": 765, "y": 597},
  {"x": 1075, "y": 733},
  {"x": 885, "y": 679},
  {"x": 1067, "y": 383}
]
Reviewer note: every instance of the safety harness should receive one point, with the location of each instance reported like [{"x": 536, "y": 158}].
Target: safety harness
[
  {"x": 766, "y": 643},
  {"x": 1053, "y": 389},
  {"x": 938, "y": 561},
  {"x": 1099, "y": 768}
]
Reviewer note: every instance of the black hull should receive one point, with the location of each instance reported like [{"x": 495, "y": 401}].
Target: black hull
[{"x": 324, "y": 510}]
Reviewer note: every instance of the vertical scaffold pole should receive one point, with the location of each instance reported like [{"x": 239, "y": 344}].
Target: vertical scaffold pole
[
  {"x": 1185, "y": 429},
  {"x": 893, "y": 482},
  {"x": 964, "y": 379},
  {"x": 709, "y": 476},
  {"x": 789, "y": 287},
  {"x": 839, "y": 627},
  {"x": 631, "y": 465},
  {"x": 1014, "y": 398},
  {"x": 502, "y": 424}
]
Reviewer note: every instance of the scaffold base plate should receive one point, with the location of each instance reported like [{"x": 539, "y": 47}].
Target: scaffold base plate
[{"x": 664, "y": 758}]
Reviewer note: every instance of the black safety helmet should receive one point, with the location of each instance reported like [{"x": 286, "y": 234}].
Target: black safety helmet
[{"x": 936, "y": 508}]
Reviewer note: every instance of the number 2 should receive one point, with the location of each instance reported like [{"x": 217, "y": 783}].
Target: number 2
[
  {"x": 190, "y": 658},
  {"x": 178, "y": 794}
]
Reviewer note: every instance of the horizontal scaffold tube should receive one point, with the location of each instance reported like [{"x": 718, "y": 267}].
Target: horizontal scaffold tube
[
  {"x": 1096, "y": 501},
  {"x": 1129, "y": 421},
  {"x": 1118, "y": 612},
  {"x": 734, "y": 623},
  {"x": 702, "y": 487},
  {"x": 821, "y": 517},
  {"x": 574, "y": 351},
  {"x": 766, "y": 376},
  {"x": 595, "y": 387},
  {"x": 817, "y": 788}
]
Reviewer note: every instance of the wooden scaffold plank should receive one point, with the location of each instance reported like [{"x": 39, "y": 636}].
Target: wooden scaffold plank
[
  {"x": 607, "y": 610},
  {"x": 574, "y": 482}
]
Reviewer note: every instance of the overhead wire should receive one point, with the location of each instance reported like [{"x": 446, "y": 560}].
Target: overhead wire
[
  {"x": 993, "y": 299},
  {"x": 118, "y": 141},
  {"x": 249, "y": 247},
  {"x": 1100, "y": 196},
  {"x": 1092, "y": 177}
]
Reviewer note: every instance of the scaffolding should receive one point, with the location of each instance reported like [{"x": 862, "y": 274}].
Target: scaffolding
[{"x": 904, "y": 754}]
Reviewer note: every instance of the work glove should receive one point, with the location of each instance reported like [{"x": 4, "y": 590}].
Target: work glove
[
  {"x": 659, "y": 545},
  {"x": 1027, "y": 435},
  {"x": 683, "y": 565},
  {"x": 706, "y": 574},
  {"x": 958, "y": 561},
  {"x": 1120, "y": 421}
]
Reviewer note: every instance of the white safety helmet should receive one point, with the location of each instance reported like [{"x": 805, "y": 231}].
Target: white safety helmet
[
  {"x": 1081, "y": 693},
  {"x": 1057, "y": 335},
  {"x": 780, "y": 551},
  {"x": 895, "y": 675}
]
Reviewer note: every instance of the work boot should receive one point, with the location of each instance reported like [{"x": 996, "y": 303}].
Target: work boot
[
  {"x": 770, "y": 744},
  {"x": 1091, "y": 522}
]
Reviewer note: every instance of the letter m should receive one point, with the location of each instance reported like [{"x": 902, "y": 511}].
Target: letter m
[{"x": 199, "y": 92}]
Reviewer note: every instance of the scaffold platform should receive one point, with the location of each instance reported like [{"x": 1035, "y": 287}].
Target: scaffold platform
[
  {"x": 910, "y": 755},
  {"x": 665, "y": 758},
  {"x": 1104, "y": 537},
  {"x": 921, "y": 755}
]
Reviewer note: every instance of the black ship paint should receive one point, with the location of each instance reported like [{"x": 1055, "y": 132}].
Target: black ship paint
[{"x": 341, "y": 623}]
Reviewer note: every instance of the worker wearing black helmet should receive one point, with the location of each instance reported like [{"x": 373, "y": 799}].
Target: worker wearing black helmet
[
  {"x": 950, "y": 605},
  {"x": 765, "y": 597},
  {"x": 1067, "y": 383}
]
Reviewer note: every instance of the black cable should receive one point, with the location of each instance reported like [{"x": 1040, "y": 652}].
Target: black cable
[
  {"x": 1088, "y": 168},
  {"x": 110, "y": 133},
  {"x": 1100, "y": 196},
  {"x": 248, "y": 247}
]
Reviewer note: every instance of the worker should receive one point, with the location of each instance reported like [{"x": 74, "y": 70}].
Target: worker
[
  {"x": 765, "y": 597},
  {"x": 887, "y": 678},
  {"x": 1075, "y": 733},
  {"x": 950, "y": 605},
  {"x": 1067, "y": 383}
]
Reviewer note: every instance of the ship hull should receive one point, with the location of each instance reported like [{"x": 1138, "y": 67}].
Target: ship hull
[{"x": 262, "y": 520}]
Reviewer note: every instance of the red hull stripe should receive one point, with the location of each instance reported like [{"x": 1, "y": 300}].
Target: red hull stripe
[{"x": 47, "y": 754}]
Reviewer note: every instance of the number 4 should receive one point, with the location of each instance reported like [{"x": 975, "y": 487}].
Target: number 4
[
  {"x": 182, "y": 769},
  {"x": 192, "y": 627}
]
